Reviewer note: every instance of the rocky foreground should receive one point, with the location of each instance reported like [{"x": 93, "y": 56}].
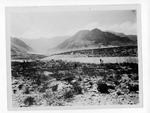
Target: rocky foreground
[{"x": 61, "y": 83}]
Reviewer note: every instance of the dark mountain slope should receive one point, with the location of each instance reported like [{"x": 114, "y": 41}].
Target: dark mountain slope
[
  {"x": 92, "y": 39},
  {"x": 131, "y": 37}
]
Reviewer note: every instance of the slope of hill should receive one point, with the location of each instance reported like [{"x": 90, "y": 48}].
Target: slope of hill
[
  {"x": 131, "y": 37},
  {"x": 122, "y": 51},
  {"x": 75, "y": 41},
  {"x": 91, "y": 39},
  {"x": 42, "y": 44},
  {"x": 18, "y": 47}
]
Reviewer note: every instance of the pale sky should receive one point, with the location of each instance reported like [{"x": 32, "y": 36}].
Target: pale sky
[{"x": 60, "y": 23}]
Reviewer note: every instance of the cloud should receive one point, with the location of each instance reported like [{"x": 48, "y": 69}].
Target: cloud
[
  {"x": 125, "y": 27},
  {"x": 86, "y": 27},
  {"x": 35, "y": 33},
  {"x": 91, "y": 26}
]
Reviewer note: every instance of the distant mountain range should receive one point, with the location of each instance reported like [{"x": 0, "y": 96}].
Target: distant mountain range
[
  {"x": 18, "y": 47},
  {"x": 40, "y": 45},
  {"x": 131, "y": 37},
  {"x": 94, "y": 39},
  {"x": 83, "y": 39}
]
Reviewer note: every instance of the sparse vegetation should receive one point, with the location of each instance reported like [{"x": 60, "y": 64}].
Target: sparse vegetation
[
  {"x": 106, "y": 52},
  {"x": 102, "y": 87},
  {"x": 77, "y": 89},
  {"x": 68, "y": 94},
  {"x": 26, "y": 90},
  {"x": 67, "y": 80},
  {"x": 29, "y": 101}
]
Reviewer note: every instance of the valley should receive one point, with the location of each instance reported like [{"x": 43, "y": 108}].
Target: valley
[{"x": 89, "y": 68}]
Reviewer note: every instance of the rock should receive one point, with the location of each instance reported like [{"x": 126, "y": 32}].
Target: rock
[
  {"x": 54, "y": 88},
  {"x": 73, "y": 81},
  {"x": 86, "y": 80},
  {"x": 62, "y": 85},
  {"x": 94, "y": 88}
]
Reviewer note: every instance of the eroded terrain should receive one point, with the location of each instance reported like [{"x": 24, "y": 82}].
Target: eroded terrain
[{"x": 64, "y": 83}]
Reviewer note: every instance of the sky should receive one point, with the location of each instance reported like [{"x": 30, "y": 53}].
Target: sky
[{"x": 48, "y": 24}]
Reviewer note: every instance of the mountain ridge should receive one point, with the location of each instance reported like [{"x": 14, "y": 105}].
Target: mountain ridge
[
  {"x": 94, "y": 38},
  {"x": 132, "y": 37},
  {"x": 19, "y": 47},
  {"x": 42, "y": 44}
]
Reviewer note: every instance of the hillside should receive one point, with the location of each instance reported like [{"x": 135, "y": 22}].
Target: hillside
[
  {"x": 131, "y": 37},
  {"x": 18, "y": 47},
  {"x": 20, "y": 50},
  {"x": 122, "y": 51},
  {"x": 42, "y": 44},
  {"x": 92, "y": 39}
]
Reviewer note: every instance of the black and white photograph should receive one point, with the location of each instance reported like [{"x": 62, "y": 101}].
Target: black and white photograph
[{"x": 74, "y": 56}]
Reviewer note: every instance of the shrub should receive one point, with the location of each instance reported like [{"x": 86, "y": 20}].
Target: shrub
[
  {"x": 110, "y": 78},
  {"x": 102, "y": 87},
  {"x": 54, "y": 88},
  {"x": 38, "y": 81},
  {"x": 43, "y": 88},
  {"x": 134, "y": 87},
  {"x": 80, "y": 79},
  {"x": 26, "y": 91},
  {"x": 116, "y": 82},
  {"x": 20, "y": 86},
  {"x": 135, "y": 77},
  {"x": 68, "y": 94},
  {"x": 119, "y": 92},
  {"x": 29, "y": 101},
  {"x": 14, "y": 91},
  {"x": 54, "y": 98},
  {"x": 77, "y": 89},
  {"x": 43, "y": 78},
  {"x": 118, "y": 77},
  {"x": 68, "y": 78},
  {"x": 85, "y": 69}
]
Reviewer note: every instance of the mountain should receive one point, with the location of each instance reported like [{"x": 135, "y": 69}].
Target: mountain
[
  {"x": 131, "y": 37},
  {"x": 42, "y": 44},
  {"x": 91, "y": 39},
  {"x": 18, "y": 47},
  {"x": 76, "y": 41}
]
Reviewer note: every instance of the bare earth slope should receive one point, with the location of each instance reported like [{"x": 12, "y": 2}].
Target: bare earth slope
[{"x": 18, "y": 47}]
